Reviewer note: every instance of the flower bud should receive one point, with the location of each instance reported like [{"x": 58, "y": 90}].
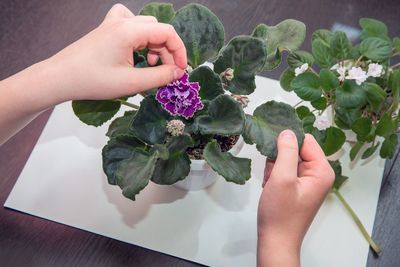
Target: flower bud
[
  {"x": 244, "y": 100},
  {"x": 175, "y": 127}
]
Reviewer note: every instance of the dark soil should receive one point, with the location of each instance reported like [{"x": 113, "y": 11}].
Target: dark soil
[{"x": 225, "y": 142}]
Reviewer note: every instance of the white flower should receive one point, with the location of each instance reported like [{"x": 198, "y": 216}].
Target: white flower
[
  {"x": 342, "y": 73},
  {"x": 301, "y": 69},
  {"x": 347, "y": 64},
  {"x": 175, "y": 127},
  {"x": 322, "y": 122},
  {"x": 356, "y": 73},
  {"x": 374, "y": 70}
]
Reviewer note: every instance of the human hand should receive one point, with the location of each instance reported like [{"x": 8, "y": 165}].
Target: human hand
[
  {"x": 293, "y": 191},
  {"x": 100, "y": 64}
]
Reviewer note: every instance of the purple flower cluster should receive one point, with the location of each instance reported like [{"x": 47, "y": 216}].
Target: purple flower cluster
[{"x": 180, "y": 97}]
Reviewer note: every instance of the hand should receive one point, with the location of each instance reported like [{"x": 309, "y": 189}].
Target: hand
[
  {"x": 100, "y": 65},
  {"x": 294, "y": 189}
]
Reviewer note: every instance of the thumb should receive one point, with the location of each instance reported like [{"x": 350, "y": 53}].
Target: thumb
[
  {"x": 153, "y": 77},
  {"x": 286, "y": 163},
  {"x": 119, "y": 11}
]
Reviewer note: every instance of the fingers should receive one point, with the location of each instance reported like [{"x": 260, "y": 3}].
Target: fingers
[
  {"x": 269, "y": 164},
  {"x": 142, "y": 79},
  {"x": 156, "y": 34},
  {"x": 119, "y": 11},
  {"x": 311, "y": 151},
  {"x": 288, "y": 156}
]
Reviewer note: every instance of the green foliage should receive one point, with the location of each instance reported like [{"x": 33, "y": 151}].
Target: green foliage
[
  {"x": 362, "y": 127},
  {"x": 297, "y": 58},
  {"x": 328, "y": 80},
  {"x": 376, "y": 49},
  {"x": 201, "y": 31},
  {"x": 218, "y": 120},
  {"x": 233, "y": 169},
  {"x": 370, "y": 151},
  {"x": 246, "y": 56},
  {"x": 324, "y": 36},
  {"x": 389, "y": 146},
  {"x": 163, "y": 12},
  {"x": 120, "y": 126},
  {"x": 355, "y": 149},
  {"x": 95, "y": 112},
  {"x": 322, "y": 54},
  {"x": 330, "y": 140},
  {"x": 267, "y": 122},
  {"x": 350, "y": 95},
  {"x": 320, "y": 103},
  {"x": 386, "y": 126},
  {"x": 286, "y": 79},
  {"x": 149, "y": 124},
  {"x": 345, "y": 117},
  {"x": 210, "y": 82},
  {"x": 307, "y": 86},
  {"x": 373, "y": 28},
  {"x": 340, "y": 45},
  {"x": 339, "y": 178},
  {"x": 375, "y": 95},
  {"x": 287, "y": 35}
]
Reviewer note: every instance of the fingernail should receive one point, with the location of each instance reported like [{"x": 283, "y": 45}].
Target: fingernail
[
  {"x": 178, "y": 73},
  {"x": 288, "y": 134}
]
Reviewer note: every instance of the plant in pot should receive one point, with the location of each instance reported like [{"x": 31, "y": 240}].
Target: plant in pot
[
  {"x": 353, "y": 90},
  {"x": 200, "y": 116}
]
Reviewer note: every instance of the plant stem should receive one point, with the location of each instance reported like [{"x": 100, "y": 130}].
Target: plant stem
[
  {"x": 358, "y": 60},
  {"x": 123, "y": 102},
  {"x": 395, "y": 66},
  {"x": 357, "y": 220},
  {"x": 312, "y": 70},
  {"x": 301, "y": 101}
]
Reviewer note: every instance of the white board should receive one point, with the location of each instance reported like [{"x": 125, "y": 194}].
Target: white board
[{"x": 63, "y": 181}]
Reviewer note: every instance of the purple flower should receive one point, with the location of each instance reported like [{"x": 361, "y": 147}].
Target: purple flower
[{"x": 180, "y": 97}]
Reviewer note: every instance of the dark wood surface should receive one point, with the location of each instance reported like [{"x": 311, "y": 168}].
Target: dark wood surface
[{"x": 33, "y": 30}]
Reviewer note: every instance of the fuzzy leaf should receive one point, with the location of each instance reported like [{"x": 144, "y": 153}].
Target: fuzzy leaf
[
  {"x": 319, "y": 104},
  {"x": 201, "y": 31},
  {"x": 177, "y": 166},
  {"x": 150, "y": 121},
  {"x": 303, "y": 112},
  {"x": 388, "y": 147},
  {"x": 370, "y": 151},
  {"x": 345, "y": 117},
  {"x": 386, "y": 126},
  {"x": 225, "y": 116},
  {"x": 376, "y": 49},
  {"x": 286, "y": 79},
  {"x": 373, "y": 28},
  {"x": 246, "y": 56},
  {"x": 162, "y": 11},
  {"x": 375, "y": 95},
  {"x": 297, "y": 58},
  {"x": 328, "y": 80},
  {"x": 340, "y": 45},
  {"x": 267, "y": 122},
  {"x": 355, "y": 149},
  {"x": 339, "y": 178},
  {"x": 233, "y": 169},
  {"x": 210, "y": 83},
  {"x": 325, "y": 36},
  {"x": 362, "y": 127},
  {"x": 350, "y": 95},
  {"x": 95, "y": 112},
  {"x": 307, "y": 86},
  {"x": 322, "y": 54},
  {"x": 332, "y": 141},
  {"x": 121, "y": 125}
]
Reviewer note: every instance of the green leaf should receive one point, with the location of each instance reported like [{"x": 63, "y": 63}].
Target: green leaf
[
  {"x": 375, "y": 95},
  {"x": 233, "y": 169},
  {"x": 362, "y": 127},
  {"x": 210, "y": 82},
  {"x": 333, "y": 140},
  {"x": 268, "y": 120},
  {"x": 225, "y": 117},
  {"x": 308, "y": 123},
  {"x": 287, "y": 35},
  {"x": 307, "y": 86},
  {"x": 164, "y": 12},
  {"x": 388, "y": 147},
  {"x": 303, "y": 112},
  {"x": 246, "y": 56},
  {"x": 340, "y": 45},
  {"x": 286, "y": 78},
  {"x": 297, "y": 58},
  {"x": 319, "y": 104},
  {"x": 350, "y": 95},
  {"x": 345, "y": 117},
  {"x": 116, "y": 150},
  {"x": 133, "y": 174},
  {"x": 121, "y": 125},
  {"x": 201, "y": 31},
  {"x": 177, "y": 166},
  {"x": 139, "y": 60},
  {"x": 373, "y": 28},
  {"x": 376, "y": 49},
  {"x": 324, "y": 36},
  {"x": 328, "y": 80},
  {"x": 370, "y": 151},
  {"x": 339, "y": 178},
  {"x": 386, "y": 126},
  {"x": 396, "y": 44},
  {"x": 355, "y": 149},
  {"x": 95, "y": 112},
  {"x": 394, "y": 86},
  {"x": 322, "y": 54},
  {"x": 150, "y": 121}
]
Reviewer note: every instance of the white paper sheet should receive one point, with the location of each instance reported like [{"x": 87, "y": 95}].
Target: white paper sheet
[{"x": 63, "y": 181}]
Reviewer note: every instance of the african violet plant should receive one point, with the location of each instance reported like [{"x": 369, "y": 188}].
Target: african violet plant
[
  {"x": 196, "y": 115},
  {"x": 356, "y": 85}
]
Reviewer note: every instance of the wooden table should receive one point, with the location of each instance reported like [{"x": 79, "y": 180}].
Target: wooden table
[{"x": 34, "y": 30}]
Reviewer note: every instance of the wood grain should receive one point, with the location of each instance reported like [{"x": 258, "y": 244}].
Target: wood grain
[{"x": 33, "y": 30}]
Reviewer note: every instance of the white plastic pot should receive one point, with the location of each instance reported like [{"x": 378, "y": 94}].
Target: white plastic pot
[{"x": 201, "y": 175}]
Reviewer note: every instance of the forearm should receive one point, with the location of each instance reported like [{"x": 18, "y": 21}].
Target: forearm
[
  {"x": 273, "y": 251},
  {"x": 25, "y": 95}
]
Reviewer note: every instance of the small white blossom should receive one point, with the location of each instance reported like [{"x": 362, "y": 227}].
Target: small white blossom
[
  {"x": 301, "y": 69},
  {"x": 347, "y": 64},
  {"x": 357, "y": 74},
  {"x": 175, "y": 127},
  {"x": 374, "y": 70},
  {"x": 342, "y": 73},
  {"x": 322, "y": 122}
]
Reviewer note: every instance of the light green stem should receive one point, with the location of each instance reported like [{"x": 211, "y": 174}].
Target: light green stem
[
  {"x": 357, "y": 220},
  {"x": 123, "y": 102}
]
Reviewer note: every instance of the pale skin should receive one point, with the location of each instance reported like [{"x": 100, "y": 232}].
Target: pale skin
[{"x": 100, "y": 66}]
